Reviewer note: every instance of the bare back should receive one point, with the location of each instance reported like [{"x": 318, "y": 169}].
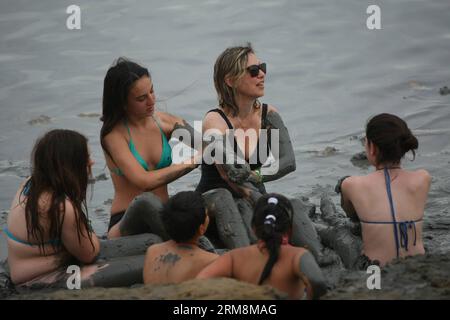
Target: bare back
[
  {"x": 369, "y": 197},
  {"x": 26, "y": 261},
  {"x": 247, "y": 264},
  {"x": 170, "y": 262}
]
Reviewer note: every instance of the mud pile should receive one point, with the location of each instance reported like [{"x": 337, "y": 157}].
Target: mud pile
[
  {"x": 211, "y": 289},
  {"x": 419, "y": 277}
]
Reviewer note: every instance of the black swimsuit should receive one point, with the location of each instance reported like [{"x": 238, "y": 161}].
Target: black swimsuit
[{"x": 211, "y": 179}]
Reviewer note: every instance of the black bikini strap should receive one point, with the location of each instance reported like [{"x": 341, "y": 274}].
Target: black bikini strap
[
  {"x": 264, "y": 116},
  {"x": 222, "y": 114},
  {"x": 230, "y": 126}
]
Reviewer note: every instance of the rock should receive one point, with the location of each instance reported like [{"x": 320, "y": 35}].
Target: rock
[
  {"x": 328, "y": 151},
  {"x": 360, "y": 160},
  {"x": 89, "y": 115},
  {"x": 42, "y": 119},
  {"x": 101, "y": 177},
  {"x": 444, "y": 91}
]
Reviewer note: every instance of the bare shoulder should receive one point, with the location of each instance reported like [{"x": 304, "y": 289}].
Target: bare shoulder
[
  {"x": 297, "y": 251},
  {"x": 213, "y": 120},
  {"x": 423, "y": 174},
  {"x": 420, "y": 178},
  {"x": 157, "y": 247},
  {"x": 117, "y": 134},
  {"x": 156, "y": 250},
  {"x": 168, "y": 119},
  {"x": 295, "y": 255},
  {"x": 353, "y": 182}
]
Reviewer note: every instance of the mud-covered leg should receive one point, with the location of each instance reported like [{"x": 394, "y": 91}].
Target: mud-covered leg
[
  {"x": 303, "y": 232},
  {"x": 246, "y": 210},
  {"x": 340, "y": 236},
  {"x": 118, "y": 272},
  {"x": 127, "y": 246},
  {"x": 229, "y": 222},
  {"x": 143, "y": 216}
]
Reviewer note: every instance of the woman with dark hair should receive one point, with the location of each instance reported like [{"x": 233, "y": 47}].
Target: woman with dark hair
[
  {"x": 390, "y": 201},
  {"x": 48, "y": 227},
  {"x": 48, "y": 223},
  {"x": 272, "y": 260},
  {"x": 134, "y": 137}
]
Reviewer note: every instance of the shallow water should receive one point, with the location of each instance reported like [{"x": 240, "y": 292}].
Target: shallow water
[{"x": 327, "y": 73}]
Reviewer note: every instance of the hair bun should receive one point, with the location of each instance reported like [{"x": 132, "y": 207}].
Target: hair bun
[{"x": 408, "y": 142}]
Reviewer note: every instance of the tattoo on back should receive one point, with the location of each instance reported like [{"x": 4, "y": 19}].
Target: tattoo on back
[{"x": 171, "y": 258}]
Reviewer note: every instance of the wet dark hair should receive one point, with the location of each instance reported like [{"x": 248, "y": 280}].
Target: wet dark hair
[
  {"x": 183, "y": 214},
  {"x": 392, "y": 137},
  {"x": 59, "y": 167},
  {"x": 117, "y": 84},
  {"x": 272, "y": 219}
]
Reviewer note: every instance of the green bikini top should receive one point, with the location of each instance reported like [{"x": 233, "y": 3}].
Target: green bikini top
[{"x": 166, "y": 154}]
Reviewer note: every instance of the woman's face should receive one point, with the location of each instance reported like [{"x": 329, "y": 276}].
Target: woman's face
[
  {"x": 249, "y": 86},
  {"x": 141, "y": 98}
]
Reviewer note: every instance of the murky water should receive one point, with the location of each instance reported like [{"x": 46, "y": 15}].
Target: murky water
[{"x": 327, "y": 73}]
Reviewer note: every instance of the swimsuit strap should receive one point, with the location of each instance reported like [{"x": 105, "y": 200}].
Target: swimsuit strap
[
  {"x": 230, "y": 126},
  {"x": 26, "y": 188},
  {"x": 8, "y": 233},
  {"x": 228, "y": 122},
  {"x": 402, "y": 225},
  {"x": 389, "y": 222},
  {"x": 134, "y": 151},
  {"x": 264, "y": 116},
  {"x": 387, "y": 178},
  {"x": 166, "y": 152}
]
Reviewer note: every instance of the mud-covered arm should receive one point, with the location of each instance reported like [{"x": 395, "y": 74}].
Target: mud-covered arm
[
  {"x": 235, "y": 171},
  {"x": 284, "y": 152},
  {"x": 177, "y": 127},
  {"x": 186, "y": 134},
  {"x": 309, "y": 271}
]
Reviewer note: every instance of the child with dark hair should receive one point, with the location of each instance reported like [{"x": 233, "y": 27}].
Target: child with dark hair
[
  {"x": 185, "y": 220},
  {"x": 272, "y": 260},
  {"x": 390, "y": 201}
]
